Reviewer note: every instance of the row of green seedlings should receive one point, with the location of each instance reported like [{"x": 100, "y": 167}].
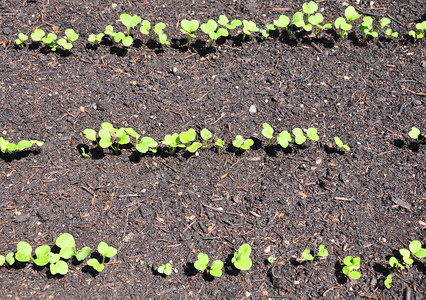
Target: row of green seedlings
[
  {"x": 241, "y": 261},
  {"x": 57, "y": 261},
  {"x": 107, "y": 135},
  {"x": 352, "y": 264},
  {"x": 6, "y": 146},
  {"x": 189, "y": 27}
]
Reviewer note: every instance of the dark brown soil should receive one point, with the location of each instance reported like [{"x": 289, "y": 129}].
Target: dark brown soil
[{"x": 368, "y": 202}]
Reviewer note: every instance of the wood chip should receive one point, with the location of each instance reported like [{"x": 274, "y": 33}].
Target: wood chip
[{"x": 401, "y": 203}]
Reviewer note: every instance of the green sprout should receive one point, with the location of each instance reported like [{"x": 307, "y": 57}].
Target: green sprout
[
  {"x": 210, "y": 27},
  {"x": 105, "y": 251},
  {"x": 242, "y": 144},
  {"x": 271, "y": 259},
  {"x": 172, "y": 141},
  {"x": 223, "y": 20},
  {"x": 268, "y": 27},
  {"x": 96, "y": 39},
  {"x": 132, "y": 133},
  {"x": 388, "y": 281},
  {"x": 23, "y": 252},
  {"x": 162, "y": 37},
  {"x": 309, "y": 8},
  {"x": 105, "y": 133},
  {"x": 268, "y": 132},
  {"x": 109, "y": 30},
  {"x": 394, "y": 263},
  {"x": 145, "y": 29},
  {"x": 420, "y": 33},
  {"x": 342, "y": 24},
  {"x": 322, "y": 252},
  {"x": 5, "y": 146},
  {"x": 49, "y": 41},
  {"x": 284, "y": 138},
  {"x": 202, "y": 263},
  {"x": 249, "y": 28},
  {"x": 219, "y": 143},
  {"x": 71, "y": 37},
  {"x": 415, "y": 134},
  {"x": 189, "y": 27},
  {"x": 129, "y": 21},
  {"x": 367, "y": 27},
  {"x": 60, "y": 267},
  {"x": 316, "y": 21},
  {"x": 299, "y": 22},
  {"x": 241, "y": 259},
  {"x": 311, "y": 133},
  {"x": 186, "y": 137},
  {"x": 206, "y": 135},
  {"x": 165, "y": 269},
  {"x": 10, "y": 258},
  {"x": 352, "y": 264},
  {"x": 299, "y": 137},
  {"x": 37, "y": 35},
  {"x": 385, "y": 22},
  {"x": 21, "y": 39},
  {"x": 414, "y": 250},
  {"x": 283, "y": 22},
  {"x": 2, "y": 260},
  {"x": 68, "y": 247},
  {"x": 340, "y": 144},
  {"x": 147, "y": 144}
]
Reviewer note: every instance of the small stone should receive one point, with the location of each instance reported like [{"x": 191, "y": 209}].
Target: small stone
[
  {"x": 267, "y": 249},
  {"x": 94, "y": 106},
  {"x": 417, "y": 102},
  {"x": 252, "y": 109},
  {"x": 175, "y": 70},
  {"x": 423, "y": 63},
  {"x": 114, "y": 5}
]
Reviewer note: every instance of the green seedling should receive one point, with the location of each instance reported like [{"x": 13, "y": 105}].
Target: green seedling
[
  {"x": 109, "y": 30},
  {"x": 10, "y": 258},
  {"x": 37, "y": 35},
  {"x": 394, "y": 263},
  {"x": 271, "y": 259},
  {"x": 71, "y": 36},
  {"x": 268, "y": 132},
  {"x": 145, "y": 29},
  {"x": 241, "y": 259},
  {"x": 172, "y": 141},
  {"x": 107, "y": 131},
  {"x": 60, "y": 267},
  {"x": 23, "y": 252},
  {"x": 189, "y": 27},
  {"x": 309, "y": 8},
  {"x": 342, "y": 24},
  {"x": 415, "y": 134},
  {"x": 414, "y": 250},
  {"x": 68, "y": 248},
  {"x": 2, "y": 260},
  {"x": 242, "y": 144},
  {"x": 352, "y": 264},
  {"x": 210, "y": 27},
  {"x": 340, "y": 144},
  {"x": 206, "y": 135},
  {"x": 49, "y": 41},
  {"x": 147, "y": 144},
  {"x": 219, "y": 143},
  {"x": 385, "y": 22},
  {"x": 105, "y": 251},
  {"x": 224, "y": 21},
  {"x": 322, "y": 252},
  {"x": 186, "y": 137},
  {"x": 367, "y": 27},
  {"x": 312, "y": 134},
  {"x": 299, "y": 137},
  {"x": 130, "y": 21},
  {"x": 299, "y": 22},
  {"x": 96, "y": 39},
  {"x": 165, "y": 269},
  {"x": 132, "y": 133},
  {"x": 90, "y": 134},
  {"x": 248, "y": 28},
  {"x": 21, "y": 39},
  {"x": 162, "y": 37},
  {"x": 388, "y": 281},
  {"x": 202, "y": 263},
  {"x": 268, "y": 27},
  {"x": 5, "y": 146},
  {"x": 420, "y": 33},
  {"x": 284, "y": 138},
  {"x": 283, "y": 22},
  {"x": 316, "y": 21}
]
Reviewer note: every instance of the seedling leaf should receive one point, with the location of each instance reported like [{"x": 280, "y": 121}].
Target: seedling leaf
[
  {"x": 65, "y": 240},
  {"x": 216, "y": 268},
  {"x": 60, "y": 267},
  {"x": 202, "y": 262}
]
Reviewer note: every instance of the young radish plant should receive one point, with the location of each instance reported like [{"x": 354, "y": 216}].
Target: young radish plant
[
  {"x": 162, "y": 37},
  {"x": 340, "y": 144},
  {"x": 351, "y": 264},
  {"x": 202, "y": 265},
  {"x": 322, "y": 253},
  {"x": 129, "y": 22},
  {"x": 70, "y": 37},
  {"x": 186, "y": 137},
  {"x": 342, "y": 24},
  {"x": 210, "y": 27},
  {"x": 241, "y": 259},
  {"x": 165, "y": 269},
  {"x": 106, "y": 252},
  {"x": 96, "y": 39},
  {"x": 189, "y": 27},
  {"x": 21, "y": 39},
  {"x": 420, "y": 33},
  {"x": 283, "y": 22},
  {"x": 248, "y": 28},
  {"x": 206, "y": 135},
  {"x": 415, "y": 134},
  {"x": 240, "y": 143},
  {"x": 224, "y": 21}
]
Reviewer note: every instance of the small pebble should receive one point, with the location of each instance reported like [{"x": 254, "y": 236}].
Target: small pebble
[
  {"x": 423, "y": 63},
  {"x": 417, "y": 102},
  {"x": 252, "y": 109}
]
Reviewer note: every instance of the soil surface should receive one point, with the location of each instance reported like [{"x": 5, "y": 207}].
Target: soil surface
[{"x": 160, "y": 208}]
